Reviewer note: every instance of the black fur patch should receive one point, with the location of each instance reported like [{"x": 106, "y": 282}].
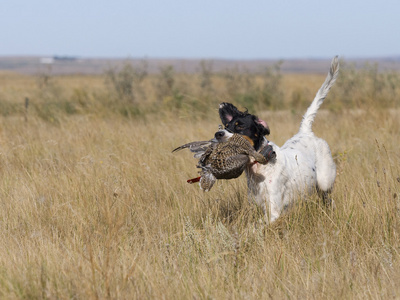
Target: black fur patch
[{"x": 242, "y": 123}]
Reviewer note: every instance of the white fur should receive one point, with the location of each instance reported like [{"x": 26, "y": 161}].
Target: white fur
[{"x": 302, "y": 164}]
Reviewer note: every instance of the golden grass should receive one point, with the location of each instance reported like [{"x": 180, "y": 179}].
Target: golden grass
[{"x": 98, "y": 207}]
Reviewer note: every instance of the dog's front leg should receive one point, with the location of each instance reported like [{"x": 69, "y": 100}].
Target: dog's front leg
[
  {"x": 275, "y": 206},
  {"x": 269, "y": 198}
]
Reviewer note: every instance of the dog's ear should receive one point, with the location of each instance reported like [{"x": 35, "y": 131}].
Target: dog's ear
[
  {"x": 227, "y": 112},
  {"x": 264, "y": 126}
]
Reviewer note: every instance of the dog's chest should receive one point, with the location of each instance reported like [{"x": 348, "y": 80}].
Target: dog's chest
[{"x": 260, "y": 181}]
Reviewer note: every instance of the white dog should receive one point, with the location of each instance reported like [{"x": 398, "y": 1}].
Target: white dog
[{"x": 301, "y": 166}]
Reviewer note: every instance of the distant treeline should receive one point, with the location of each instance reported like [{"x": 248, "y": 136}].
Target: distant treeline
[{"x": 78, "y": 65}]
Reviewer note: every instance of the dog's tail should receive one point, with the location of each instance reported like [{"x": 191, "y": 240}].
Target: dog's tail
[{"x": 309, "y": 116}]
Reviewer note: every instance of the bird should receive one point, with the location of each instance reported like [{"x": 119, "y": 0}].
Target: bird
[{"x": 223, "y": 157}]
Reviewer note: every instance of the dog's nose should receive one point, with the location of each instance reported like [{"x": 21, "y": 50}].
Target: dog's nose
[{"x": 219, "y": 135}]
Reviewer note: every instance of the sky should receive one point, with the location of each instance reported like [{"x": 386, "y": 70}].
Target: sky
[{"x": 207, "y": 29}]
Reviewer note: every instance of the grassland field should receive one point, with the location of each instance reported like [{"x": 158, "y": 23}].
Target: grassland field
[{"x": 93, "y": 204}]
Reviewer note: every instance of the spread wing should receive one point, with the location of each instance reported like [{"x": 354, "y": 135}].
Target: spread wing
[{"x": 198, "y": 148}]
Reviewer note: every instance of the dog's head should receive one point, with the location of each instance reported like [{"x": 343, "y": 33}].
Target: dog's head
[{"x": 243, "y": 123}]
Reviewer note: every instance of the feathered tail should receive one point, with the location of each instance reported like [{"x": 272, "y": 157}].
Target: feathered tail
[{"x": 309, "y": 116}]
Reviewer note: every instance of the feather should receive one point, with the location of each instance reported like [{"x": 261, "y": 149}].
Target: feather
[
  {"x": 224, "y": 157},
  {"x": 198, "y": 148}
]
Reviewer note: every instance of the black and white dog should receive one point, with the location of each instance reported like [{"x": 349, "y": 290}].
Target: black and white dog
[{"x": 302, "y": 165}]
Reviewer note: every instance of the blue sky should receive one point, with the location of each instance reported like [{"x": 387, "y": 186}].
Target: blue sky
[{"x": 228, "y": 29}]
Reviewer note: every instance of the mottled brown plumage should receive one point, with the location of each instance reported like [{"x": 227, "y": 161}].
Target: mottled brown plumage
[{"x": 222, "y": 158}]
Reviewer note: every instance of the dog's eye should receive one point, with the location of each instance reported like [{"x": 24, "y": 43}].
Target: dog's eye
[{"x": 238, "y": 126}]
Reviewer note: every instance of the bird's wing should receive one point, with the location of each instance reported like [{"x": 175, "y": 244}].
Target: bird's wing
[{"x": 198, "y": 148}]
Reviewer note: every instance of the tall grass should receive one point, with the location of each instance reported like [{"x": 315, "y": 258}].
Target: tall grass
[{"x": 95, "y": 205}]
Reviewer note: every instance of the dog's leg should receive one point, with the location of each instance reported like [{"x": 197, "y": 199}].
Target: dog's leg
[
  {"x": 325, "y": 171},
  {"x": 274, "y": 212},
  {"x": 271, "y": 211},
  {"x": 326, "y": 198},
  {"x": 275, "y": 202}
]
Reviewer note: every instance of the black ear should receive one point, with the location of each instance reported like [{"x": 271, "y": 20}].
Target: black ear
[
  {"x": 227, "y": 112},
  {"x": 265, "y": 131},
  {"x": 262, "y": 126}
]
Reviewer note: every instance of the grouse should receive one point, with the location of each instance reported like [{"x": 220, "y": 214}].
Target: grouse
[{"x": 224, "y": 157}]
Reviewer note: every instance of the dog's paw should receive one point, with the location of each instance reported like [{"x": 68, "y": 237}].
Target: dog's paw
[{"x": 268, "y": 152}]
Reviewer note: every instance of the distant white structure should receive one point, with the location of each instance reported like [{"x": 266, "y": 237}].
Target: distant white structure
[{"x": 47, "y": 60}]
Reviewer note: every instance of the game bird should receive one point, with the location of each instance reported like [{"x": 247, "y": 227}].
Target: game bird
[{"x": 224, "y": 157}]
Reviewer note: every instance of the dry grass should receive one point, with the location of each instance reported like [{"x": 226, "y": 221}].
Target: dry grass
[{"x": 95, "y": 206}]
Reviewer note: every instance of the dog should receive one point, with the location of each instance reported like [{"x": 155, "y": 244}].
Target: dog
[{"x": 301, "y": 166}]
